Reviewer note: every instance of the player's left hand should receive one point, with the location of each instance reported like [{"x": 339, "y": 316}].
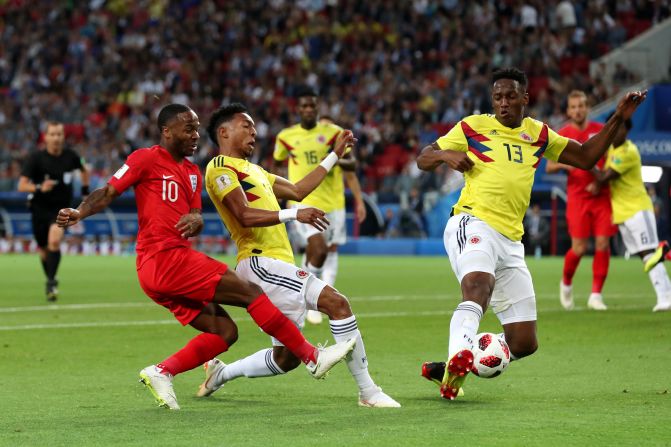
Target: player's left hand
[
  {"x": 313, "y": 216},
  {"x": 190, "y": 225},
  {"x": 345, "y": 139},
  {"x": 627, "y": 105},
  {"x": 593, "y": 188}
]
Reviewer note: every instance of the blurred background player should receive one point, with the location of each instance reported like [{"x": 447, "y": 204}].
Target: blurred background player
[
  {"x": 305, "y": 145},
  {"x": 246, "y": 199},
  {"x": 634, "y": 215},
  {"x": 499, "y": 154},
  {"x": 588, "y": 211},
  {"x": 188, "y": 283},
  {"x": 48, "y": 176}
]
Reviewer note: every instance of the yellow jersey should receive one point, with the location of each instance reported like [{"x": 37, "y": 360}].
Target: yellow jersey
[
  {"x": 627, "y": 192},
  {"x": 223, "y": 175},
  {"x": 305, "y": 149},
  {"x": 498, "y": 187}
]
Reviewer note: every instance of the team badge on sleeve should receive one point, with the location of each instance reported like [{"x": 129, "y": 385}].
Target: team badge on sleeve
[
  {"x": 121, "y": 171},
  {"x": 301, "y": 274},
  {"x": 223, "y": 182},
  {"x": 474, "y": 240},
  {"x": 194, "y": 181}
]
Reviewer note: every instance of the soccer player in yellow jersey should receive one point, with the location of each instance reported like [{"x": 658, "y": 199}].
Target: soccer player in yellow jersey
[
  {"x": 305, "y": 145},
  {"x": 633, "y": 213},
  {"x": 246, "y": 199},
  {"x": 499, "y": 155}
]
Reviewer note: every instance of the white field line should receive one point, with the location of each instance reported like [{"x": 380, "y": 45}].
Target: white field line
[
  {"x": 355, "y": 299},
  {"x": 364, "y": 315}
]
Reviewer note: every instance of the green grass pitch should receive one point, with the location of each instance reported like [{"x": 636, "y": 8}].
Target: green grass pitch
[{"x": 68, "y": 373}]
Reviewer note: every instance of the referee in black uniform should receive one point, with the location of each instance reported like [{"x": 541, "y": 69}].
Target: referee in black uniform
[{"x": 47, "y": 175}]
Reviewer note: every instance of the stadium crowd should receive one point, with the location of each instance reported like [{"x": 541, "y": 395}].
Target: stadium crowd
[{"x": 397, "y": 73}]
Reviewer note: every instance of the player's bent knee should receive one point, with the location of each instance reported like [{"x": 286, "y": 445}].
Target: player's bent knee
[
  {"x": 334, "y": 304},
  {"x": 523, "y": 349},
  {"x": 285, "y": 359}
]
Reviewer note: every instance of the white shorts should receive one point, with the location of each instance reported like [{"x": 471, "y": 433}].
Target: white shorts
[
  {"x": 639, "y": 232},
  {"x": 335, "y": 234},
  {"x": 290, "y": 288},
  {"x": 474, "y": 246}
]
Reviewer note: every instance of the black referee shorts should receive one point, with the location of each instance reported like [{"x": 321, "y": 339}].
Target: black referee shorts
[{"x": 41, "y": 223}]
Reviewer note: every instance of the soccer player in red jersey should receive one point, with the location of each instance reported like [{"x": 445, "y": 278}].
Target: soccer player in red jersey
[
  {"x": 188, "y": 283},
  {"x": 588, "y": 210}
]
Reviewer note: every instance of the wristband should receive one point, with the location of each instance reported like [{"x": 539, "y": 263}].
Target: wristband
[
  {"x": 288, "y": 215},
  {"x": 329, "y": 162},
  {"x": 85, "y": 190}
]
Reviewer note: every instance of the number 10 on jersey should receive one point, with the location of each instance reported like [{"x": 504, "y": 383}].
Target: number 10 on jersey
[{"x": 170, "y": 190}]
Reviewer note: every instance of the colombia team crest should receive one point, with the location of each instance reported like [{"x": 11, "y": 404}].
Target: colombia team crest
[
  {"x": 302, "y": 274},
  {"x": 474, "y": 240}
]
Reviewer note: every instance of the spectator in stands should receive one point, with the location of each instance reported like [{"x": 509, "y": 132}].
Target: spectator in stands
[{"x": 536, "y": 229}]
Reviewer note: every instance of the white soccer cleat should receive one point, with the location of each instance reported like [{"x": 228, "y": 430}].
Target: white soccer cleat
[
  {"x": 595, "y": 302},
  {"x": 566, "y": 296},
  {"x": 662, "y": 307},
  {"x": 328, "y": 357},
  {"x": 212, "y": 371},
  {"x": 376, "y": 398},
  {"x": 160, "y": 386},
  {"x": 314, "y": 317}
]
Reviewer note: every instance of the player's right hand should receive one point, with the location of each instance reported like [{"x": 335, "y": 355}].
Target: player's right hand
[
  {"x": 313, "y": 216},
  {"x": 67, "y": 217},
  {"x": 345, "y": 139},
  {"x": 459, "y": 161}
]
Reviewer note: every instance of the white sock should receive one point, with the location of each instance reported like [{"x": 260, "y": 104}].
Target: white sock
[
  {"x": 463, "y": 326},
  {"x": 660, "y": 281},
  {"x": 330, "y": 268},
  {"x": 317, "y": 271},
  {"x": 357, "y": 362},
  {"x": 259, "y": 364}
]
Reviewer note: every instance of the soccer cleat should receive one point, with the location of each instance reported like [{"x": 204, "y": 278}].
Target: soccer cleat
[
  {"x": 434, "y": 371},
  {"x": 457, "y": 369},
  {"x": 566, "y": 295},
  {"x": 328, "y": 357},
  {"x": 52, "y": 290},
  {"x": 160, "y": 386},
  {"x": 658, "y": 256},
  {"x": 377, "y": 399},
  {"x": 595, "y": 302},
  {"x": 212, "y": 369},
  {"x": 314, "y": 317},
  {"x": 662, "y": 307}
]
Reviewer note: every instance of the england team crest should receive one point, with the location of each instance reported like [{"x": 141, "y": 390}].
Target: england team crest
[{"x": 194, "y": 181}]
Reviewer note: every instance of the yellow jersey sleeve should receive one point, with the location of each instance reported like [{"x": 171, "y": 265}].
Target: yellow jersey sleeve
[
  {"x": 556, "y": 145},
  {"x": 454, "y": 139},
  {"x": 220, "y": 180},
  {"x": 281, "y": 151}
]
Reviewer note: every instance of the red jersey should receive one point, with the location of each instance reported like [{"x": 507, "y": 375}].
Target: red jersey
[
  {"x": 578, "y": 179},
  {"x": 164, "y": 191}
]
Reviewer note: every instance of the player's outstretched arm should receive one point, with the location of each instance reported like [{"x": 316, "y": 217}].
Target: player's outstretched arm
[
  {"x": 432, "y": 156},
  {"x": 237, "y": 204},
  {"x": 97, "y": 201},
  {"x": 284, "y": 189},
  {"x": 585, "y": 156},
  {"x": 553, "y": 167},
  {"x": 355, "y": 187}
]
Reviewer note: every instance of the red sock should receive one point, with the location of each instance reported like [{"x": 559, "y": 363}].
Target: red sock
[
  {"x": 600, "y": 269},
  {"x": 571, "y": 261},
  {"x": 197, "y": 351},
  {"x": 273, "y": 322}
]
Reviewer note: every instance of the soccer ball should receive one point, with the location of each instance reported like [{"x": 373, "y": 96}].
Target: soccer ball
[{"x": 491, "y": 355}]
